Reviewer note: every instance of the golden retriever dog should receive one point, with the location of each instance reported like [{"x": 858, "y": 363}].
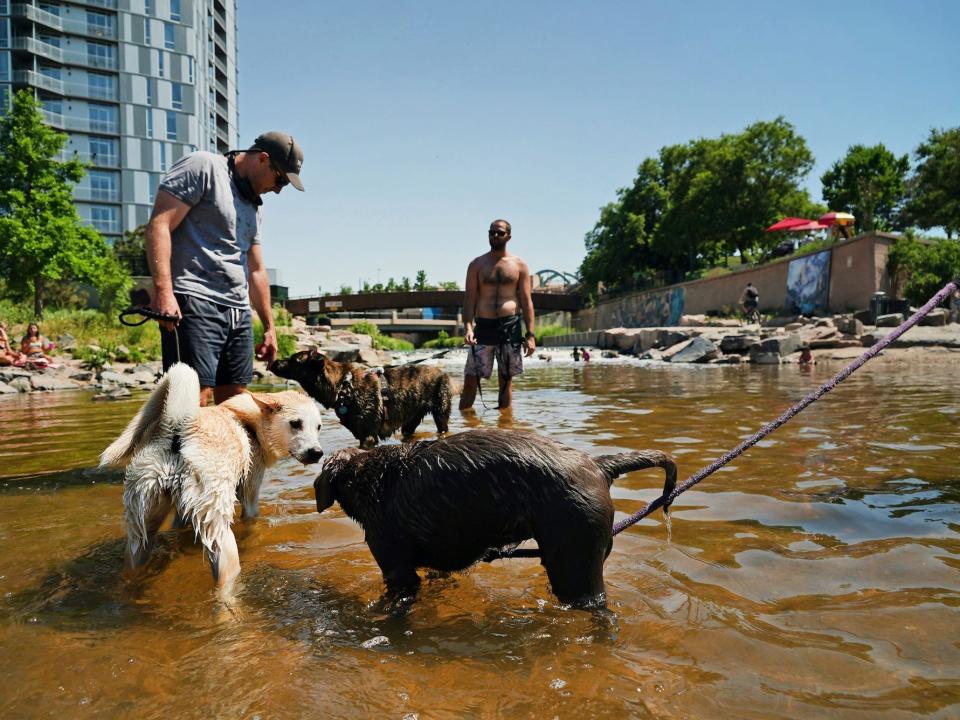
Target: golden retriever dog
[{"x": 197, "y": 461}]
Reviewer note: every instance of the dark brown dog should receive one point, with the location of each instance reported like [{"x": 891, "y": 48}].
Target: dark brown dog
[
  {"x": 443, "y": 503},
  {"x": 370, "y": 408}
]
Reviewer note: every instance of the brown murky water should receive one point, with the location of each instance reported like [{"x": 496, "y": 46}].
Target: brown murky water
[{"x": 818, "y": 577}]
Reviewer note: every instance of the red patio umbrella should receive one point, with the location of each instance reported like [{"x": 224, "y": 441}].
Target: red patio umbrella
[
  {"x": 788, "y": 223},
  {"x": 812, "y": 225}
]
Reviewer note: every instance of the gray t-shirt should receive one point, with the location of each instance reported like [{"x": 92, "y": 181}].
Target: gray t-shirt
[{"x": 208, "y": 257}]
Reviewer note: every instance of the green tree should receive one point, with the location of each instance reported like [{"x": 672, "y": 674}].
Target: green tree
[
  {"x": 697, "y": 202},
  {"x": 42, "y": 239},
  {"x": 919, "y": 269},
  {"x": 405, "y": 284},
  {"x": 391, "y": 285},
  {"x": 421, "y": 282},
  {"x": 449, "y": 285},
  {"x": 934, "y": 188},
  {"x": 346, "y": 290},
  {"x": 131, "y": 251},
  {"x": 868, "y": 182}
]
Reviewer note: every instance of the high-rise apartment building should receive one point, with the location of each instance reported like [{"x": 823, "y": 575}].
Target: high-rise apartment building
[{"x": 135, "y": 84}]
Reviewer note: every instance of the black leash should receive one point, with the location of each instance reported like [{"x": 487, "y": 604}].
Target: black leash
[
  {"x": 476, "y": 366},
  {"x": 148, "y": 315}
]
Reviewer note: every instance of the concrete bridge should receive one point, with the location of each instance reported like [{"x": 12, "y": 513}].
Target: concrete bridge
[{"x": 445, "y": 302}]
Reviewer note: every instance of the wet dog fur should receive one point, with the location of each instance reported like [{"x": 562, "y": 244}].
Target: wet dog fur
[
  {"x": 415, "y": 391},
  {"x": 443, "y": 503},
  {"x": 197, "y": 461}
]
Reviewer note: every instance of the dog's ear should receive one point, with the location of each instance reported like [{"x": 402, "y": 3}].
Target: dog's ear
[
  {"x": 324, "y": 490},
  {"x": 266, "y": 405}
]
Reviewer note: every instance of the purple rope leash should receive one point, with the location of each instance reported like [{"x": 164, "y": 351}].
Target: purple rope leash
[{"x": 872, "y": 352}]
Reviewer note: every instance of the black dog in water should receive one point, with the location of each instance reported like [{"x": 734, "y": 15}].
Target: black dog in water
[{"x": 443, "y": 503}]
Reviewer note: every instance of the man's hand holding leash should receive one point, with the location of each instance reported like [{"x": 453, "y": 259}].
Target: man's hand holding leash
[{"x": 529, "y": 344}]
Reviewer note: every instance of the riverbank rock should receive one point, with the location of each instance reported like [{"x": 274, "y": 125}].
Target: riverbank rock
[
  {"x": 697, "y": 350},
  {"x": 7, "y": 390}
]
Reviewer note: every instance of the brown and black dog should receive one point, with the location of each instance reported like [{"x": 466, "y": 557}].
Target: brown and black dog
[
  {"x": 444, "y": 503},
  {"x": 371, "y": 408}
]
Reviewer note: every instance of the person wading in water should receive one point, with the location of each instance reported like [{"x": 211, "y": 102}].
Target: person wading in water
[{"x": 497, "y": 291}]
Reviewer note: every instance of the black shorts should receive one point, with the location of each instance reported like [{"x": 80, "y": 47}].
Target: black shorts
[{"x": 215, "y": 340}]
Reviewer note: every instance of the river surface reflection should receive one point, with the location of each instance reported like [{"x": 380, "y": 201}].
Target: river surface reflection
[{"x": 817, "y": 576}]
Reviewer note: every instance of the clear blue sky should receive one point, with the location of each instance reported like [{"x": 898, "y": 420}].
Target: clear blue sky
[{"x": 423, "y": 121}]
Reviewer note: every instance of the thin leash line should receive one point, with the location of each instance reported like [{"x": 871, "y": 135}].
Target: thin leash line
[
  {"x": 791, "y": 412},
  {"x": 795, "y": 409}
]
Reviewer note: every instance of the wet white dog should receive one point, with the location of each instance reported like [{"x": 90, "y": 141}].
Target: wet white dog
[{"x": 197, "y": 461}]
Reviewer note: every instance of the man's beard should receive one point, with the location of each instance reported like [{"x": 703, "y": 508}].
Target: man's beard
[{"x": 498, "y": 243}]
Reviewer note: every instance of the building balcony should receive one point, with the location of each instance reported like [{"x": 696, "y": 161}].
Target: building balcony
[
  {"x": 100, "y": 160},
  {"x": 64, "y": 57},
  {"x": 81, "y": 192},
  {"x": 108, "y": 4},
  {"x": 81, "y": 124},
  {"x": 68, "y": 89},
  {"x": 67, "y": 25}
]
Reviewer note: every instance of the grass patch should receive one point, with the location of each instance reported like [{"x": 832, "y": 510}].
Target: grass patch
[
  {"x": 443, "y": 340},
  {"x": 380, "y": 342},
  {"x": 552, "y": 331}
]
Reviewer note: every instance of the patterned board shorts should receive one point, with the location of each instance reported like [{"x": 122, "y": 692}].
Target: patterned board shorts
[{"x": 480, "y": 360}]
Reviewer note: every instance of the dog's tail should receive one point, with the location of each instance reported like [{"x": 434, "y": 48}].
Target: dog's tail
[
  {"x": 615, "y": 465},
  {"x": 173, "y": 405}
]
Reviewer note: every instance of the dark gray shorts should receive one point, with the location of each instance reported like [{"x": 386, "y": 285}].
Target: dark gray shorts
[{"x": 215, "y": 340}]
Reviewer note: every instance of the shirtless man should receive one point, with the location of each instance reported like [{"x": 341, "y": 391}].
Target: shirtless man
[{"x": 497, "y": 290}]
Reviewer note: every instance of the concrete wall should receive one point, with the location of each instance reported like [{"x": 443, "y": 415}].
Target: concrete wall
[{"x": 857, "y": 271}]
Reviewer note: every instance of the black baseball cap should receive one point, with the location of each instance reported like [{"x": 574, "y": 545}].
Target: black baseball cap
[{"x": 285, "y": 153}]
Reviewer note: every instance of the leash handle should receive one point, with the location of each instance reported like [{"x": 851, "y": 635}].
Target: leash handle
[{"x": 149, "y": 314}]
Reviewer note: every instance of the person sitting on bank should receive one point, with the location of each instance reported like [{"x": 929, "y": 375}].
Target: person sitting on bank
[
  {"x": 34, "y": 346},
  {"x": 498, "y": 289},
  {"x": 8, "y": 356}
]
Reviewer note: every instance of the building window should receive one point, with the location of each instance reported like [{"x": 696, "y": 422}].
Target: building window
[
  {"x": 103, "y": 151},
  {"x": 50, "y": 8},
  {"x": 100, "y": 86},
  {"x": 5, "y": 32},
  {"x": 147, "y": 37},
  {"x": 4, "y": 7},
  {"x": 53, "y": 106},
  {"x": 161, "y": 63},
  {"x": 153, "y": 183},
  {"x": 103, "y": 118},
  {"x": 51, "y": 72},
  {"x": 4, "y": 99},
  {"x": 149, "y": 123},
  {"x": 169, "y": 36},
  {"x": 100, "y": 24},
  {"x": 176, "y": 96},
  {"x": 103, "y": 185},
  {"x": 190, "y": 70},
  {"x": 53, "y": 40},
  {"x": 101, "y": 55},
  {"x": 148, "y": 7},
  {"x": 171, "y": 125},
  {"x": 163, "y": 157},
  {"x": 4, "y": 66},
  {"x": 150, "y": 90},
  {"x": 105, "y": 218},
  {"x": 175, "y": 10}
]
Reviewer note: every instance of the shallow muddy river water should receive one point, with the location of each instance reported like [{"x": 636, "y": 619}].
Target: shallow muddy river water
[{"x": 816, "y": 577}]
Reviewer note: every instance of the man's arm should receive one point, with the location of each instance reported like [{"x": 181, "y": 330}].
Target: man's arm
[
  {"x": 525, "y": 295},
  {"x": 471, "y": 293},
  {"x": 260, "y": 300},
  {"x": 168, "y": 213}
]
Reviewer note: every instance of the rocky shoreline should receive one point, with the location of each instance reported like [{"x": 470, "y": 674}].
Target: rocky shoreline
[{"x": 698, "y": 340}]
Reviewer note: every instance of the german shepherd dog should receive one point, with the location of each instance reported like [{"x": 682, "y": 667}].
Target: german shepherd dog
[
  {"x": 371, "y": 405},
  {"x": 444, "y": 503}
]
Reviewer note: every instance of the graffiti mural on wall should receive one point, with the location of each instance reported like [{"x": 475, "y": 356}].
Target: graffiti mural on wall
[
  {"x": 654, "y": 309},
  {"x": 808, "y": 283}
]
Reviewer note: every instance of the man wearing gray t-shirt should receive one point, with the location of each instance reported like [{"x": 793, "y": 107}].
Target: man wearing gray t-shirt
[{"x": 203, "y": 246}]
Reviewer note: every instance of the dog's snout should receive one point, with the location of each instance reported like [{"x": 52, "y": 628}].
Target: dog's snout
[{"x": 311, "y": 456}]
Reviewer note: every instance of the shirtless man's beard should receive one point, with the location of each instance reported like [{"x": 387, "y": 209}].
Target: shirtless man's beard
[{"x": 497, "y": 244}]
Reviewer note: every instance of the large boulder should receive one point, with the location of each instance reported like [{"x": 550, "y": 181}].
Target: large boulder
[
  {"x": 697, "y": 350},
  {"x": 849, "y": 325},
  {"x": 740, "y": 344},
  {"x": 889, "y": 320},
  {"x": 936, "y": 317},
  {"x": 51, "y": 382},
  {"x": 7, "y": 390},
  {"x": 669, "y": 338},
  {"x": 781, "y": 344}
]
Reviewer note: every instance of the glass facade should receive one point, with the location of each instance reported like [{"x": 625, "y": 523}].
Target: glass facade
[{"x": 89, "y": 65}]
